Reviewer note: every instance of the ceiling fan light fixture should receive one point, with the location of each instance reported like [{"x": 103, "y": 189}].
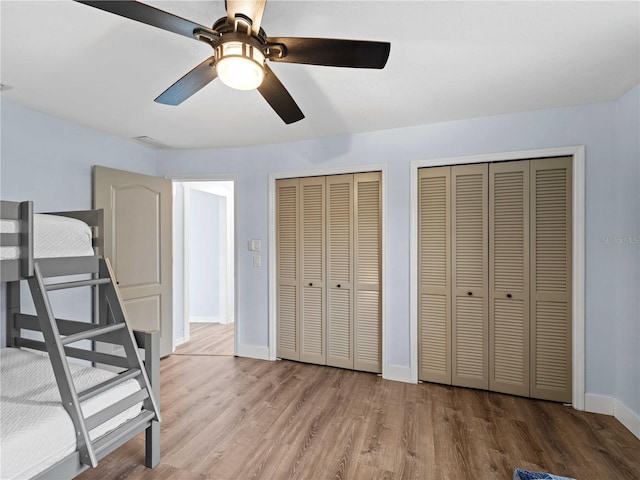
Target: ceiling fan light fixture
[{"x": 240, "y": 65}]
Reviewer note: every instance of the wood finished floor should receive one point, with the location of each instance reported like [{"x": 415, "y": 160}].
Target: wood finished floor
[
  {"x": 208, "y": 339},
  {"x": 238, "y": 418}
]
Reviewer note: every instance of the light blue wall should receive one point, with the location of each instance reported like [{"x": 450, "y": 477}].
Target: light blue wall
[
  {"x": 48, "y": 160},
  {"x": 589, "y": 125},
  {"x": 204, "y": 254},
  {"x": 624, "y": 244}
]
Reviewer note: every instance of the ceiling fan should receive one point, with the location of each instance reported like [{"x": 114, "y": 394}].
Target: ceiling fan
[{"x": 242, "y": 48}]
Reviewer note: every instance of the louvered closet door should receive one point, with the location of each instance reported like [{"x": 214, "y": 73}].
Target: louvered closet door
[
  {"x": 287, "y": 268},
  {"x": 469, "y": 257},
  {"x": 367, "y": 327},
  {"x": 312, "y": 313},
  {"x": 551, "y": 279},
  {"x": 339, "y": 200},
  {"x": 509, "y": 277},
  {"x": 434, "y": 279}
]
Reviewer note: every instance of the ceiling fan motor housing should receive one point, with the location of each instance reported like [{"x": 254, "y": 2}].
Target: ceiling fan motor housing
[
  {"x": 250, "y": 42},
  {"x": 242, "y": 24}
]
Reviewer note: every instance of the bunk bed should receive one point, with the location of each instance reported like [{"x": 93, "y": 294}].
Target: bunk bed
[{"x": 59, "y": 417}]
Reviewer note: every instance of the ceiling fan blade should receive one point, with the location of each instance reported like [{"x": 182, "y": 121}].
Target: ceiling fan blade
[
  {"x": 252, "y": 9},
  {"x": 279, "y": 98},
  {"x": 189, "y": 84},
  {"x": 143, "y": 13},
  {"x": 332, "y": 52}
]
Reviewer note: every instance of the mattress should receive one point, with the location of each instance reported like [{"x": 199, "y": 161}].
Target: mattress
[
  {"x": 53, "y": 236},
  {"x": 36, "y": 431}
]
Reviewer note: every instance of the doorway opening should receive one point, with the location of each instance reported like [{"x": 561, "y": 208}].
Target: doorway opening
[{"x": 207, "y": 249}]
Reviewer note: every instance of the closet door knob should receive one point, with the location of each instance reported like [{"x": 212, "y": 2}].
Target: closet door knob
[
  {"x": 310, "y": 284},
  {"x": 338, "y": 285},
  {"x": 469, "y": 293},
  {"x": 508, "y": 295}
]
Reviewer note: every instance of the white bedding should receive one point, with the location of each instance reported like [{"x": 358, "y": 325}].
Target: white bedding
[
  {"x": 35, "y": 429},
  {"x": 53, "y": 236}
]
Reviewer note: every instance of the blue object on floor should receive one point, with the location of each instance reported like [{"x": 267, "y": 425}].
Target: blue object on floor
[{"x": 520, "y": 474}]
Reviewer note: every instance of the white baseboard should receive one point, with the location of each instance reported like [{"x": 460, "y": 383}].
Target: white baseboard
[
  {"x": 612, "y": 406},
  {"x": 599, "y": 404},
  {"x": 253, "y": 351},
  {"x": 398, "y": 373},
  {"x": 627, "y": 418}
]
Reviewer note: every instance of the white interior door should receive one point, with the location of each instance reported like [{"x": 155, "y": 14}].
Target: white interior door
[{"x": 137, "y": 239}]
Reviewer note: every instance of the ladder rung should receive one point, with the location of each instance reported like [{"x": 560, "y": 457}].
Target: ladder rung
[
  {"x": 88, "y": 355},
  {"x": 117, "y": 408},
  {"x": 65, "y": 327},
  {"x": 81, "y": 283},
  {"x": 112, "y": 382},
  {"x": 94, "y": 332},
  {"x": 104, "y": 442}
]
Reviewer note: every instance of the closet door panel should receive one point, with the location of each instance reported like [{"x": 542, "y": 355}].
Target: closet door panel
[
  {"x": 551, "y": 279},
  {"x": 509, "y": 277},
  {"x": 287, "y": 268},
  {"x": 339, "y": 329},
  {"x": 367, "y": 328},
  {"x": 434, "y": 278},
  {"x": 339, "y": 216},
  {"x": 469, "y": 256},
  {"x": 312, "y": 268},
  {"x": 367, "y": 332}
]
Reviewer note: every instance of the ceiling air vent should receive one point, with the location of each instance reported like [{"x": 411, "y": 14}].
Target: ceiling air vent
[{"x": 150, "y": 142}]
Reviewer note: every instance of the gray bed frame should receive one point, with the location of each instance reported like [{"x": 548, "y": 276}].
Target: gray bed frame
[{"x": 33, "y": 270}]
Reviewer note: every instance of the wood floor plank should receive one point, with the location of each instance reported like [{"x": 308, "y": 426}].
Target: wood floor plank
[
  {"x": 228, "y": 418},
  {"x": 208, "y": 339}
]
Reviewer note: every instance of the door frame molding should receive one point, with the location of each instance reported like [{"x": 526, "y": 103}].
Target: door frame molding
[
  {"x": 578, "y": 251},
  {"x": 386, "y": 371},
  {"x": 209, "y": 178}
]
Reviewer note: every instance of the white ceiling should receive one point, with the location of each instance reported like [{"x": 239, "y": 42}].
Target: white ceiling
[{"x": 449, "y": 60}]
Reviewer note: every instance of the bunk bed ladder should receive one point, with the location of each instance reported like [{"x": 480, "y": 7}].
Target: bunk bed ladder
[{"x": 117, "y": 331}]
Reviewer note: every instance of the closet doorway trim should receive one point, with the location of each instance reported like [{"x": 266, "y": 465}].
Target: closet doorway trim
[
  {"x": 578, "y": 250},
  {"x": 386, "y": 371}
]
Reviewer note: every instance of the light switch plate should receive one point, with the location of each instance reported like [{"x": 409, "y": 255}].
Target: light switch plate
[
  {"x": 255, "y": 245},
  {"x": 257, "y": 261}
]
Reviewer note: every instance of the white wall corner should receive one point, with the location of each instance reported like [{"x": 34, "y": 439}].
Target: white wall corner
[
  {"x": 627, "y": 417},
  {"x": 611, "y": 406},
  {"x": 259, "y": 352},
  {"x": 599, "y": 404},
  {"x": 398, "y": 373}
]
